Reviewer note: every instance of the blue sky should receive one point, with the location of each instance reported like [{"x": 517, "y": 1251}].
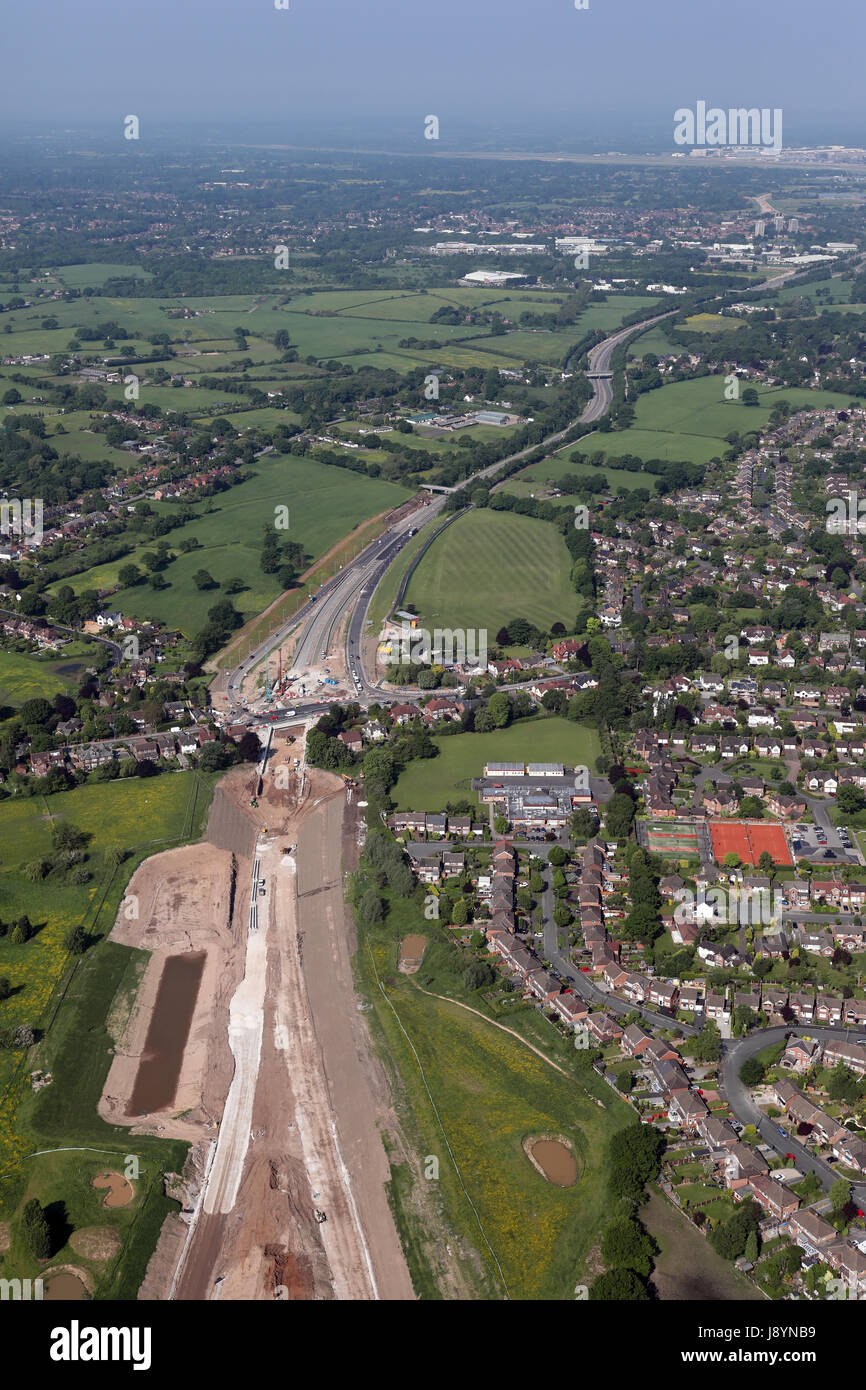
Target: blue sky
[{"x": 486, "y": 67}]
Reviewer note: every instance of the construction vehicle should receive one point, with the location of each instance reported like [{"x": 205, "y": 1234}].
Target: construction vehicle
[{"x": 319, "y": 1215}]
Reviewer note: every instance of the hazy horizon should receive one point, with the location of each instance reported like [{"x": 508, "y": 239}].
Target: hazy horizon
[{"x": 499, "y": 74}]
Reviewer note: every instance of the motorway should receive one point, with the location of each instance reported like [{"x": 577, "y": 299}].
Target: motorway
[{"x": 351, "y": 591}]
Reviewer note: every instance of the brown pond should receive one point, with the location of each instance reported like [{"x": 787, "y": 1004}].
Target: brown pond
[
  {"x": 412, "y": 951},
  {"x": 556, "y": 1162},
  {"x": 120, "y": 1189},
  {"x": 159, "y": 1069},
  {"x": 64, "y": 1286}
]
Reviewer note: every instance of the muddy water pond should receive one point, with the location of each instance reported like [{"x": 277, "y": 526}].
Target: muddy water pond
[
  {"x": 159, "y": 1069},
  {"x": 412, "y": 950},
  {"x": 554, "y": 1160},
  {"x": 65, "y": 1287},
  {"x": 120, "y": 1189}
]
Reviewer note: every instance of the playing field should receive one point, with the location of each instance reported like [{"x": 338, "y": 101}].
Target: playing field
[
  {"x": 749, "y": 839},
  {"x": 430, "y": 783},
  {"x": 674, "y": 838},
  {"x": 490, "y": 567}
]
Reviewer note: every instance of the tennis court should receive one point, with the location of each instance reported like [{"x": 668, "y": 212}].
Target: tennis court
[{"x": 749, "y": 839}]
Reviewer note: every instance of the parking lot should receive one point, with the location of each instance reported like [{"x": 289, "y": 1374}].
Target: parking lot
[{"x": 823, "y": 844}]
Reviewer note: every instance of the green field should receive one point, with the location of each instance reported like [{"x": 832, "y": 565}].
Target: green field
[
  {"x": 490, "y": 1093},
  {"x": 532, "y": 481},
  {"x": 24, "y": 677},
  {"x": 490, "y": 567},
  {"x": 688, "y": 420},
  {"x": 430, "y": 783},
  {"x": 97, "y": 272},
  {"x": 687, "y": 1267},
  {"x": 69, "y": 1001},
  {"x": 325, "y": 504}
]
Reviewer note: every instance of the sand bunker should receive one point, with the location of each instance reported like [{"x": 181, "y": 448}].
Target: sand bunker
[
  {"x": 120, "y": 1189},
  {"x": 553, "y": 1157}
]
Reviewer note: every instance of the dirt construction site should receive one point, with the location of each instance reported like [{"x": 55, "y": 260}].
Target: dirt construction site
[{"x": 246, "y": 1038}]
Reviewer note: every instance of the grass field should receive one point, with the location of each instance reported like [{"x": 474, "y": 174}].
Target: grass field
[
  {"x": 490, "y": 1093},
  {"x": 70, "y": 999},
  {"x": 96, "y": 273},
  {"x": 532, "y": 480},
  {"x": 490, "y": 567},
  {"x": 325, "y": 504},
  {"x": 24, "y": 677},
  {"x": 688, "y": 420},
  {"x": 687, "y": 1267},
  {"x": 134, "y": 815},
  {"x": 430, "y": 783}
]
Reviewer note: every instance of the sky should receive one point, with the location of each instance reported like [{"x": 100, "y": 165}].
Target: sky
[{"x": 507, "y": 73}]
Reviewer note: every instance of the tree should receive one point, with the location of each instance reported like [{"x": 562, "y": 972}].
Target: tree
[
  {"x": 729, "y": 1239},
  {"x": 370, "y": 907},
  {"x": 557, "y": 856},
  {"x": 203, "y": 580},
  {"x": 21, "y": 932},
  {"x": 751, "y": 1251},
  {"x": 212, "y": 758},
  {"x": 618, "y": 816},
  {"x": 5, "y": 987},
  {"x": 37, "y": 1234},
  {"x": 707, "y": 1046},
  {"x": 618, "y": 1286},
  {"x": 249, "y": 747},
  {"x": 460, "y": 913},
  {"x": 840, "y": 1195},
  {"x": 35, "y": 712},
  {"x": 478, "y": 975},
  {"x": 76, "y": 941},
  {"x": 850, "y": 799},
  {"x": 751, "y": 1072},
  {"x": 634, "y": 1159},
  {"x": 626, "y": 1245}
]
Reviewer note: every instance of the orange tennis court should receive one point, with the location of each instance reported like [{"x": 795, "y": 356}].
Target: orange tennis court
[{"x": 749, "y": 839}]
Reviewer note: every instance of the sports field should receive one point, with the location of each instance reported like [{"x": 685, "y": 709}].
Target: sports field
[
  {"x": 674, "y": 838},
  {"x": 491, "y": 567},
  {"x": 430, "y": 783},
  {"x": 749, "y": 839}
]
